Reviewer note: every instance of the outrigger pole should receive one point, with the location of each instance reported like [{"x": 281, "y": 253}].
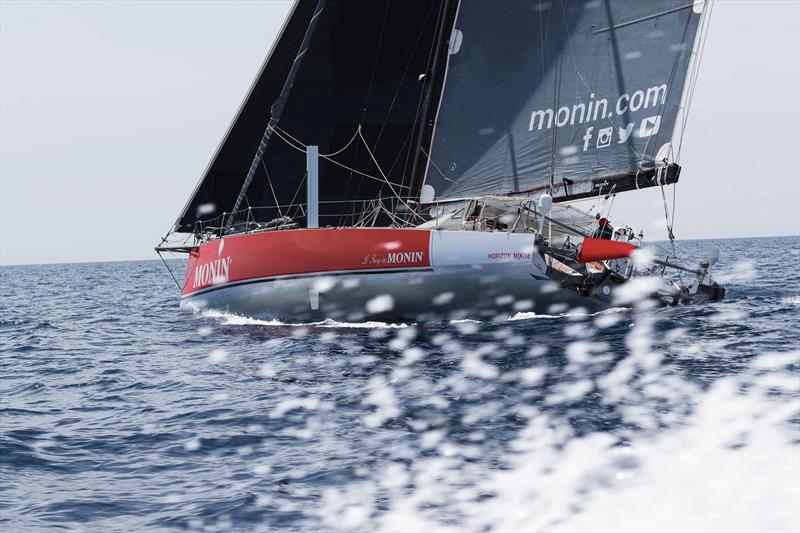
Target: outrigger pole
[{"x": 277, "y": 108}]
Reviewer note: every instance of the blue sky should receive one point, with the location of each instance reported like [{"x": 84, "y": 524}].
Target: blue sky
[{"x": 109, "y": 112}]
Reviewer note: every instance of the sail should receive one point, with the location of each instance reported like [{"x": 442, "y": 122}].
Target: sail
[
  {"x": 363, "y": 69},
  {"x": 545, "y": 92}
]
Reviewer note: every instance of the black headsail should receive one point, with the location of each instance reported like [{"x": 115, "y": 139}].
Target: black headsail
[
  {"x": 362, "y": 69},
  {"x": 277, "y": 108},
  {"x": 577, "y": 97}
]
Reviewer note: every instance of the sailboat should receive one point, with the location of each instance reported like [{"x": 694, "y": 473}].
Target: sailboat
[{"x": 434, "y": 159}]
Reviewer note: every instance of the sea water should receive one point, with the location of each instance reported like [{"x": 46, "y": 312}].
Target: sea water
[{"x": 121, "y": 413}]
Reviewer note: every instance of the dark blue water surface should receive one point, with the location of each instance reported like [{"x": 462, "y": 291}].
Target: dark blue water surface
[{"x": 122, "y": 413}]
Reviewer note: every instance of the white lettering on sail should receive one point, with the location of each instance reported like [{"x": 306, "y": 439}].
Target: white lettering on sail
[
  {"x": 213, "y": 272},
  {"x": 598, "y": 108}
]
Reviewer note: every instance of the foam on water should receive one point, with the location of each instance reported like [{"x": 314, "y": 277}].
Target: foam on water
[
  {"x": 230, "y": 319},
  {"x": 732, "y": 465},
  {"x": 570, "y": 313},
  {"x": 684, "y": 456}
]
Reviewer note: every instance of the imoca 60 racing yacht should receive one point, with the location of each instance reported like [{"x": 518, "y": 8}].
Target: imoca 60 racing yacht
[{"x": 427, "y": 160}]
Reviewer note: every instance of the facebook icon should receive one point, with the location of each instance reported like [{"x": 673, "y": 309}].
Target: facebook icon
[{"x": 587, "y": 137}]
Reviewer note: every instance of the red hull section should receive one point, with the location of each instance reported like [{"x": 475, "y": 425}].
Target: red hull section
[
  {"x": 602, "y": 249},
  {"x": 306, "y": 251}
]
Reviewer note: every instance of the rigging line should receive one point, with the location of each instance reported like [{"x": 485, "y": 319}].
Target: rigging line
[
  {"x": 422, "y": 177},
  {"x": 375, "y": 63},
  {"x": 696, "y": 74},
  {"x": 643, "y": 19},
  {"x": 274, "y": 196},
  {"x": 583, "y": 80},
  {"x": 692, "y": 75},
  {"x": 541, "y": 36},
  {"x": 672, "y": 223},
  {"x": 423, "y": 113},
  {"x": 406, "y": 152},
  {"x": 297, "y": 191},
  {"x": 170, "y": 271},
  {"x": 277, "y": 107},
  {"x": 300, "y": 145},
  {"x": 403, "y": 77},
  {"x": 280, "y": 132},
  {"x": 435, "y": 165},
  {"x": 572, "y": 50},
  {"x": 556, "y": 95},
  {"x": 366, "y": 145},
  {"x": 365, "y": 102},
  {"x": 364, "y": 174},
  {"x": 170, "y": 232},
  {"x": 346, "y": 146},
  {"x": 704, "y": 37},
  {"x": 368, "y": 94},
  {"x": 620, "y": 81},
  {"x": 610, "y": 120},
  {"x": 666, "y": 220},
  {"x": 337, "y": 152},
  {"x": 674, "y": 194},
  {"x": 671, "y": 79},
  {"x": 606, "y": 211},
  {"x": 399, "y": 153}
]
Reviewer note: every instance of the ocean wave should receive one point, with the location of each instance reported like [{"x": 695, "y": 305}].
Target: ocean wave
[{"x": 682, "y": 418}]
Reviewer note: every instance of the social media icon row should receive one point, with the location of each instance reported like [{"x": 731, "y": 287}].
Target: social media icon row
[{"x": 605, "y": 136}]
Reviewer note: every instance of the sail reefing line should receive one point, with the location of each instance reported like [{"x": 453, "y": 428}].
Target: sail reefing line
[{"x": 277, "y": 108}]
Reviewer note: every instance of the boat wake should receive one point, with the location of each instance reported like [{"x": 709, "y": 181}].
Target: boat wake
[
  {"x": 230, "y": 319},
  {"x": 568, "y": 314}
]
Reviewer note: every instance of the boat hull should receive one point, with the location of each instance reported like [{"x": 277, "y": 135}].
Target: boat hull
[{"x": 366, "y": 274}]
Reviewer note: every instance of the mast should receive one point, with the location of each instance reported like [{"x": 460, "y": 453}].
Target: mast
[
  {"x": 277, "y": 108},
  {"x": 416, "y": 183}
]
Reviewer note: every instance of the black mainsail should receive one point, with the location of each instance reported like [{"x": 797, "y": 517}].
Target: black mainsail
[{"x": 559, "y": 94}]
